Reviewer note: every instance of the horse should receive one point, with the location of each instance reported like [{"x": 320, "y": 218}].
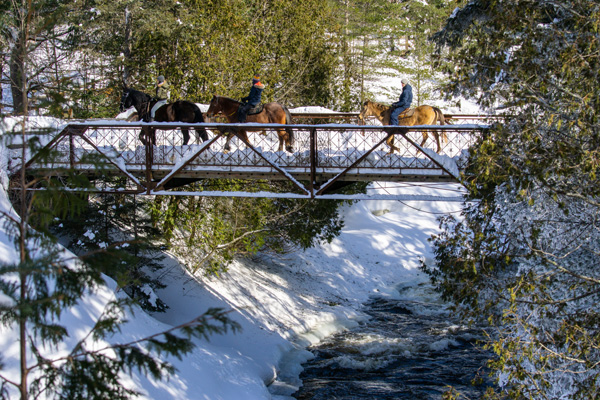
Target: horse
[
  {"x": 179, "y": 111},
  {"x": 272, "y": 113},
  {"x": 422, "y": 115}
]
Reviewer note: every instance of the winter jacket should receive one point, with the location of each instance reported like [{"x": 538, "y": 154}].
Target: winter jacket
[
  {"x": 162, "y": 92},
  {"x": 405, "y": 99},
  {"x": 255, "y": 94}
]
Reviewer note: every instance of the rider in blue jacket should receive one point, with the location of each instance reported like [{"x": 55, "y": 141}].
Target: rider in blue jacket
[
  {"x": 403, "y": 102},
  {"x": 253, "y": 99}
]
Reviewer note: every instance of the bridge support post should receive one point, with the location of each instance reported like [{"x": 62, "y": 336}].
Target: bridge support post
[
  {"x": 71, "y": 150},
  {"x": 313, "y": 162},
  {"x": 149, "y": 148}
]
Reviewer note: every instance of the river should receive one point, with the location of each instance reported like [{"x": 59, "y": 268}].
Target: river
[{"x": 411, "y": 347}]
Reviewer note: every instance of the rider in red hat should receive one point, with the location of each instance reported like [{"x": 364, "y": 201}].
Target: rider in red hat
[{"x": 253, "y": 99}]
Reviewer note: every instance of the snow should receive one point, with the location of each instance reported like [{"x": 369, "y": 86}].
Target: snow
[{"x": 283, "y": 302}]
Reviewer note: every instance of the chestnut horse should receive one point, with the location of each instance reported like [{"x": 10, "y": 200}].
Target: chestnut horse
[
  {"x": 179, "y": 111},
  {"x": 422, "y": 115},
  {"x": 273, "y": 113}
]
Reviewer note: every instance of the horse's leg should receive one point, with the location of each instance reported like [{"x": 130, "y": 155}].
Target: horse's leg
[
  {"x": 142, "y": 137},
  {"x": 289, "y": 139},
  {"x": 227, "y": 148},
  {"x": 186, "y": 135},
  {"x": 281, "y": 136},
  {"x": 390, "y": 143},
  {"x": 425, "y": 137},
  {"x": 244, "y": 136},
  {"x": 284, "y": 137},
  {"x": 230, "y": 133},
  {"x": 437, "y": 140},
  {"x": 147, "y": 136},
  {"x": 201, "y": 134}
]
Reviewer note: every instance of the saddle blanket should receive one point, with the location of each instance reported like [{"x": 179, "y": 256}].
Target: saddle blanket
[{"x": 256, "y": 110}]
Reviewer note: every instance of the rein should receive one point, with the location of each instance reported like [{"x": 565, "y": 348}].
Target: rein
[{"x": 226, "y": 115}]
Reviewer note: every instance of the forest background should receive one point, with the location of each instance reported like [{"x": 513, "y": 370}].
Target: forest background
[{"x": 75, "y": 56}]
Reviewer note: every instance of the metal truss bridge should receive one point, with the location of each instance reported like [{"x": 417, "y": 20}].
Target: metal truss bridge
[{"x": 325, "y": 157}]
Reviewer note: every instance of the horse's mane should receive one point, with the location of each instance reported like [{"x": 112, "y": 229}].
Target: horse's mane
[
  {"x": 139, "y": 94},
  {"x": 230, "y": 99},
  {"x": 378, "y": 106}
]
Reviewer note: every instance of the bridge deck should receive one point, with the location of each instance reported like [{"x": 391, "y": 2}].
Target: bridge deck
[{"x": 324, "y": 155}]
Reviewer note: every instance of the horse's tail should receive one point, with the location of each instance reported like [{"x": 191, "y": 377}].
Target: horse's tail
[
  {"x": 198, "y": 117},
  {"x": 288, "y": 121},
  {"x": 442, "y": 120},
  {"x": 439, "y": 116}
]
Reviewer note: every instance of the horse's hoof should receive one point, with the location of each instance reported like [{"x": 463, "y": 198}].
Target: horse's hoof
[{"x": 290, "y": 149}]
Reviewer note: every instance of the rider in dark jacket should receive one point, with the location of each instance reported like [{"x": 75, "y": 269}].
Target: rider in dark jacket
[
  {"x": 162, "y": 95},
  {"x": 403, "y": 102},
  {"x": 253, "y": 99}
]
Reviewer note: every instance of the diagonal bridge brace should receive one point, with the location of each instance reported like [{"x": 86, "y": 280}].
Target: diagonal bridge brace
[
  {"x": 71, "y": 132},
  {"x": 326, "y": 186},
  {"x": 272, "y": 164},
  {"x": 205, "y": 146},
  {"x": 159, "y": 187},
  {"x": 390, "y": 132},
  {"x": 116, "y": 164}
]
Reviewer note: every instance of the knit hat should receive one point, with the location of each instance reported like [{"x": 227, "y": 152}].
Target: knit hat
[
  {"x": 404, "y": 81},
  {"x": 160, "y": 79},
  {"x": 256, "y": 79}
]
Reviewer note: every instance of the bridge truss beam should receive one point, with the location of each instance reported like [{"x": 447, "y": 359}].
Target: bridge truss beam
[{"x": 325, "y": 156}]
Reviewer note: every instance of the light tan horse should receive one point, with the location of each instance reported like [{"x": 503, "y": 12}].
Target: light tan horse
[{"x": 422, "y": 115}]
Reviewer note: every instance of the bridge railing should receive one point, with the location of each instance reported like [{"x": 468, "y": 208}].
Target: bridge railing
[{"x": 322, "y": 153}]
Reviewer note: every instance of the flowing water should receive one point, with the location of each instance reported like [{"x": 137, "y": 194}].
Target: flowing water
[{"x": 408, "y": 349}]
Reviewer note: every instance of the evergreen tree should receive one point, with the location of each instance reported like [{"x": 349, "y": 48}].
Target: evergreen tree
[
  {"x": 386, "y": 39},
  {"x": 34, "y": 39},
  {"x": 120, "y": 222},
  {"x": 526, "y": 252}
]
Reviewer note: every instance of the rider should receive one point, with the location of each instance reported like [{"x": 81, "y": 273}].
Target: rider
[
  {"x": 253, "y": 99},
  {"x": 403, "y": 102},
  {"x": 162, "y": 95}
]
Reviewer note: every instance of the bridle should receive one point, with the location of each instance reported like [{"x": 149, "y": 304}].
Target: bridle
[
  {"x": 124, "y": 99},
  {"x": 218, "y": 103}
]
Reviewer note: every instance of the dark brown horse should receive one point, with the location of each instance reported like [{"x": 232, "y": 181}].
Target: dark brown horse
[
  {"x": 179, "y": 111},
  {"x": 273, "y": 113},
  {"x": 422, "y": 115}
]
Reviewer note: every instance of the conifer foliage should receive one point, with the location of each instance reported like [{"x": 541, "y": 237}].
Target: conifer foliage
[{"x": 525, "y": 254}]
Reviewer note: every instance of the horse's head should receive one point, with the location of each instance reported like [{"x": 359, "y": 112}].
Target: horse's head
[
  {"x": 364, "y": 112},
  {"x": 126, "y": 101},
  {"x": 214, "y": 108}
]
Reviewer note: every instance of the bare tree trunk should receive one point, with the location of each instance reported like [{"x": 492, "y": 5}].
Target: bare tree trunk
[
  {"x": 19, "y": 86},
  {"x": 18, "y": 81},
  {"x": 127, "y": 48},
  {"x": 1, "y": 76}
]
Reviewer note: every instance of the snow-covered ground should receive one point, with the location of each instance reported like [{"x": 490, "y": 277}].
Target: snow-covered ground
[{"x": 283, "y": 302}]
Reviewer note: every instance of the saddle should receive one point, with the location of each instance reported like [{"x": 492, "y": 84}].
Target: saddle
[
  {"x": 256, "y": 110},
  {"x": 407, "y": 113}
]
